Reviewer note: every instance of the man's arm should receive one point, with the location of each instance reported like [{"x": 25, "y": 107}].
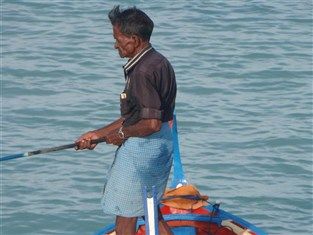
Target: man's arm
[
  {"x": 83, "y": 142},
  {"x": 142, "y": 128},
  {"x": 111, "y": 134}
]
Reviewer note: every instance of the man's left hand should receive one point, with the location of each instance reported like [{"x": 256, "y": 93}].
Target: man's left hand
[{"x": 114, "y": 138}]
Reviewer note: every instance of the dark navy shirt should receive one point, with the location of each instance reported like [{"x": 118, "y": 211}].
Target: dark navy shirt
[{"x": 150, "y": 89}]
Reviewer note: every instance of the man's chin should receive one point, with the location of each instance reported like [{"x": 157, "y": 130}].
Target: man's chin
[{"x": 121, "y": 55}]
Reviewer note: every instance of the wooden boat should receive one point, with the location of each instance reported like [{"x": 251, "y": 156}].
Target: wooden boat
[{"x": 204, "y": 220}]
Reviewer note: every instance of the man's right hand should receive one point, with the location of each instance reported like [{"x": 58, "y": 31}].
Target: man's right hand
[{"x": 84, "y": 141}]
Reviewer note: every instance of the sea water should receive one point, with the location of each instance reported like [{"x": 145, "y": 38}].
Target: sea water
[{"x": 244, "y": 108}]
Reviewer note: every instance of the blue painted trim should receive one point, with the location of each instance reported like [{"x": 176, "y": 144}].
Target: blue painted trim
[
  {"x": 178, "y": 172},
  {"x": 226, "y": 215},
  {"x": 217, "y": 219},
  {"x": 106, "y": 229},
  {"x": 193, "y": 217}
]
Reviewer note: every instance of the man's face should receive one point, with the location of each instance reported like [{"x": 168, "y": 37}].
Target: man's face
[{"x": 124, "y": 44}]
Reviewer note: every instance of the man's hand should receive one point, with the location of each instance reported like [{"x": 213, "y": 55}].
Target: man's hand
[
  {"x": 84, "y": 142},
  {"x": 114, "y": 138}
]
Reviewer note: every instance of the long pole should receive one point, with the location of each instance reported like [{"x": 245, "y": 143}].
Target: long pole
[{"x": 45, "y": 150}]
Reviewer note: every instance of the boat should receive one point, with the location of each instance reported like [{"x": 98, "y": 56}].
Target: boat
[{"x": 203, "y": 219}]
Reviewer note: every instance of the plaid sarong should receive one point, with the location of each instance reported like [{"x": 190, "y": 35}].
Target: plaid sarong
[{"x": 138, "y": 162}]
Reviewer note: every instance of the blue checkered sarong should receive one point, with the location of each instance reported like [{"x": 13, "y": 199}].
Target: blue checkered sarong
[{"x": 138, "y": 162}]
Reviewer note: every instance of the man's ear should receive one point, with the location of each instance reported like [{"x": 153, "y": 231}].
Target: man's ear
[{"x": 137, "y": 40}]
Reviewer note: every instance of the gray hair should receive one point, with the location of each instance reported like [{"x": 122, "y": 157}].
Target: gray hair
[{"x": 132, "y": 21}]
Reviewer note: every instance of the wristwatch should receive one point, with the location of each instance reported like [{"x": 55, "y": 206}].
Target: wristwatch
[{"x": 121, "y": 133}]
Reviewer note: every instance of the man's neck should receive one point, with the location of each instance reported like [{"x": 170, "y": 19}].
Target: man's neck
[
  {"x": 140, "y": 48},
  {"x": 133, "y": 61}
]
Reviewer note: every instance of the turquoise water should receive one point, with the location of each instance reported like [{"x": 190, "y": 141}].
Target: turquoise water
[{"x": 244, "y": 106}]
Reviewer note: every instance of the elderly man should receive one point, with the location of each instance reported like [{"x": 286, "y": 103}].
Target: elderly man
[{"x": 142, "y": 134}]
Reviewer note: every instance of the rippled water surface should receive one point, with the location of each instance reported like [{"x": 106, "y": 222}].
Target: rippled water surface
[{"x": 244, "y": 106}]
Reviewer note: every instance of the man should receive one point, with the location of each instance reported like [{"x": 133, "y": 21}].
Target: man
[{"x": 142, "y": 133}]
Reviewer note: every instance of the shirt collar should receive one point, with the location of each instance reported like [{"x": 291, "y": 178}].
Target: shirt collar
[{"x": 132, "y": 62}]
